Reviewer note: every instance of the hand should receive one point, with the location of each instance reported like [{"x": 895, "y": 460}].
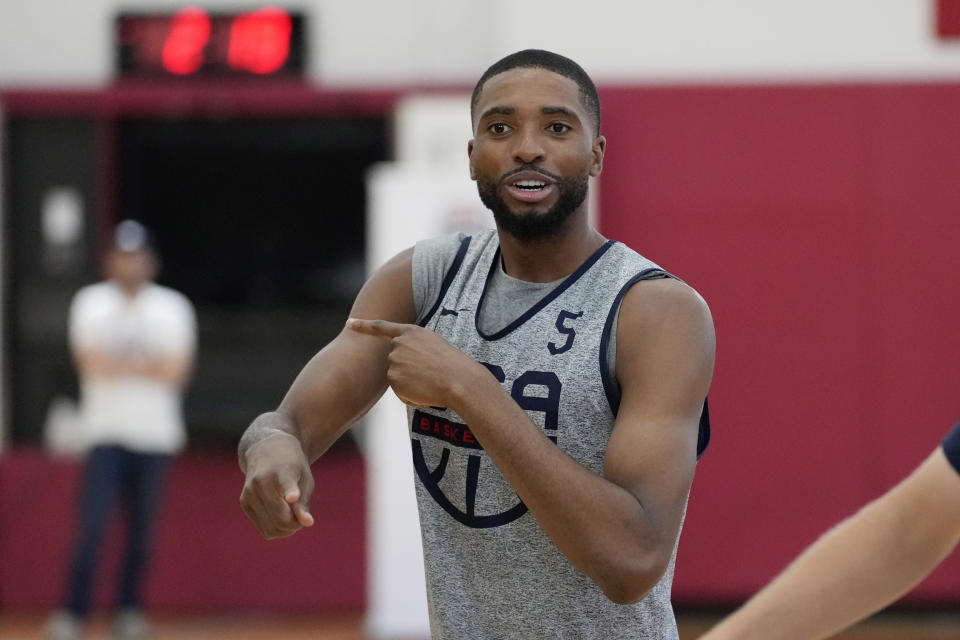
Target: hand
[
  {"x": 422, "y": 366},
  {"x": 276, "y": 494}
]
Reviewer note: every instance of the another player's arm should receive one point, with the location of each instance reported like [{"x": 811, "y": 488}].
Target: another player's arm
[
  {"x": 860, "y": 566},
  {"x": 620, "y": 527},
  {"x": 335, "y": 388}
]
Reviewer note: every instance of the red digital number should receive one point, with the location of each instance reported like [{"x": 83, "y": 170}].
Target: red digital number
[
  {"x": 183, "y": 48},
  {"x": 260, "y": 41}
]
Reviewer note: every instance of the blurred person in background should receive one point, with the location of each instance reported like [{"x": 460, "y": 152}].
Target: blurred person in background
[
  {"x": 555, "y": 383},
  {"x": 864, "y": 563},
  {"x": 133, "y": 344}
]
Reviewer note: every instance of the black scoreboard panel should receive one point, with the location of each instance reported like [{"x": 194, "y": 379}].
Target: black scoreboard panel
[{"x": 192, "y": 42}]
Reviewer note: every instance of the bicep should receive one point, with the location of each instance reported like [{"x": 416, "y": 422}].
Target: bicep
[
  {"x": 345, "y": 378},
  {"x": 665, "y": 354}
]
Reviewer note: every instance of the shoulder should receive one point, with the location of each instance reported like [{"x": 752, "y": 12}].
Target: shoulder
[
  {"x": 435, "y": 259},
  {"x": 94, "y": 296},
  {"x": 388, "y": 292},
  {"x": 167, "y": 295},
  {"x": 396, "y": 270},
  {"x": 168, "y": 301},
  {"x": 663, "y": 301},
  {"x": 665, "y": 316},
  {"x": 93, "y": 290},
  {"x": 441, "y": 249}
]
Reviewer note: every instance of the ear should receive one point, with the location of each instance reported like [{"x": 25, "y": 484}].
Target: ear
[
  {"x": 473, "y": 171},
  {"x": 599, "y": 148}
]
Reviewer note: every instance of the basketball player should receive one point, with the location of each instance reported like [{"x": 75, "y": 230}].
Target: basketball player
[
  {"x": 863, "y": 564},
  {"x": 556, "y": 385}
]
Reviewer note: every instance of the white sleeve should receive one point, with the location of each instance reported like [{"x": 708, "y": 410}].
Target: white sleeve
[
  {"x": 180, "y": 327},
  {"x": 81, "y": 320}
]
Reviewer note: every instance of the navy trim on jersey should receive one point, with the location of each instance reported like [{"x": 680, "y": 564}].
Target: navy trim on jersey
[
  {"x": 448, "y": 278},
  {"x": 703, "y": 432},
  {"x": 610, "y": 386},
  {"x": 547, "y": 299},
  {"x": 951, "y": 447}
]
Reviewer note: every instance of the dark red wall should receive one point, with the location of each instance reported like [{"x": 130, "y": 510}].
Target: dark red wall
[
  {"x": 821, "y": 223},
  {"x": 207, "y": 556}
]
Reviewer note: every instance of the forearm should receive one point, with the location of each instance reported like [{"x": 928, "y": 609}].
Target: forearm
[
  {"x": 173, "y": 371},
  {"x": 339, "y": 391},
  {"x": 598, "y": 525},
  {"x": 264, "y": 426},
  {"x": 96, "y": 363},
  {"x": 333, "y": 390},
  {"x": 854, "y": 570},
  {"x": 843, "y": 578}
]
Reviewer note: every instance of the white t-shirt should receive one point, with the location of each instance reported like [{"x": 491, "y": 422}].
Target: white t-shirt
[{"x": 137, "y": 412}]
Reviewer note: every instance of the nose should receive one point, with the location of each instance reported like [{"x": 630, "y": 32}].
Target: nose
[{"x": 529, "y": 147}]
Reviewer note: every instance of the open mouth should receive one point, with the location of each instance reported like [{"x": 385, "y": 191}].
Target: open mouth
[
  {"x": 531, "y": 191},
  {"x": 530, "y": 185}
]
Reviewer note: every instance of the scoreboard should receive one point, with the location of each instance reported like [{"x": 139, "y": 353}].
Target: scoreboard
[{"x": 263, "y": 42}]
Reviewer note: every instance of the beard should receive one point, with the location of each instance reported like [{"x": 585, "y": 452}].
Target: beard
[{"x": 533, "y": 227}]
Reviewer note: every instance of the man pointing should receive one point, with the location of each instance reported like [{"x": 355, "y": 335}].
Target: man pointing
[{"x": 578, "y": 368}]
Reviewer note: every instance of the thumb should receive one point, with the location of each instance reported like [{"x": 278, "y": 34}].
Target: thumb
[
  {"x": 288, "y": 487},
  {"x": 302, "y": 514},
  {"x": 291, "y": 495}
]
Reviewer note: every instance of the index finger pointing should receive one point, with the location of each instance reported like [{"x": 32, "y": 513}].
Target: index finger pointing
[{"x": 381, "y": 328}]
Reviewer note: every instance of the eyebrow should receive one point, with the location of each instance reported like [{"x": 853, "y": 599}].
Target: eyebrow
[
  {"x": 509, "y": 111},
  {"x": 558, "y": 110},
  {"x": 498, "y": 111}
]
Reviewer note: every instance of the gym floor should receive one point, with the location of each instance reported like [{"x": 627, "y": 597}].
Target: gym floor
[{"x": 29, "y": 626}]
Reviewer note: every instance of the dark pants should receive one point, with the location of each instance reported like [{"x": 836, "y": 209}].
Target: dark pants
[{"x": 114, "y": 473}]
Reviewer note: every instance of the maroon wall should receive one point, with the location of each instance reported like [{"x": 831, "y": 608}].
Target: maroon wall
[
  {"x": 821, "y": 224},
  {"x": 208, "y": 556}
]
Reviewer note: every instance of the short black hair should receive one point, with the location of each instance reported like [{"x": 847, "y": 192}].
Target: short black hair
[{"x": 540, "y": 59}]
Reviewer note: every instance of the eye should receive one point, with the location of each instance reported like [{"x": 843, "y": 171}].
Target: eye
[
  {"x": 558, "y": 127},
  {"x": 498, "y": 128}
]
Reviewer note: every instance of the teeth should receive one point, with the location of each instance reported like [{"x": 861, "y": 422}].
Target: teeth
[{"x": 529, "y": 184}]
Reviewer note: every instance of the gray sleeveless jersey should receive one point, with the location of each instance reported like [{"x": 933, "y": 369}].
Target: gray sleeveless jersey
[{"x": 491, "y": 570}]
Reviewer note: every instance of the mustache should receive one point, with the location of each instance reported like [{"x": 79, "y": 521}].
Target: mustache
[{"x": 530, "y": 167}]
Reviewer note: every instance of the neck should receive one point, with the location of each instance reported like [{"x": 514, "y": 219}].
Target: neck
[
  {"x": 551, "y": 258},
  {"x": 130, "y": 289}
]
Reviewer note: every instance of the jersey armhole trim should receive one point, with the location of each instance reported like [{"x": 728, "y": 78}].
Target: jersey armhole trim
[
  {"x": 610, "y": 387},
  {"x": 448, "y": 279},
  {"x": 951, "y": 447}
]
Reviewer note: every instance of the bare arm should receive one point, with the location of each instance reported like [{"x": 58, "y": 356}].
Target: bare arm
[
  {"x": 620, "y": 527},
  {"x": 336, "y": 387},
  {"x": 863, "y": 564}
]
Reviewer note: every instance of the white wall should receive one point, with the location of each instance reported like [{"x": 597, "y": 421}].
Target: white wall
[{"x": 396, "y": 42}]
